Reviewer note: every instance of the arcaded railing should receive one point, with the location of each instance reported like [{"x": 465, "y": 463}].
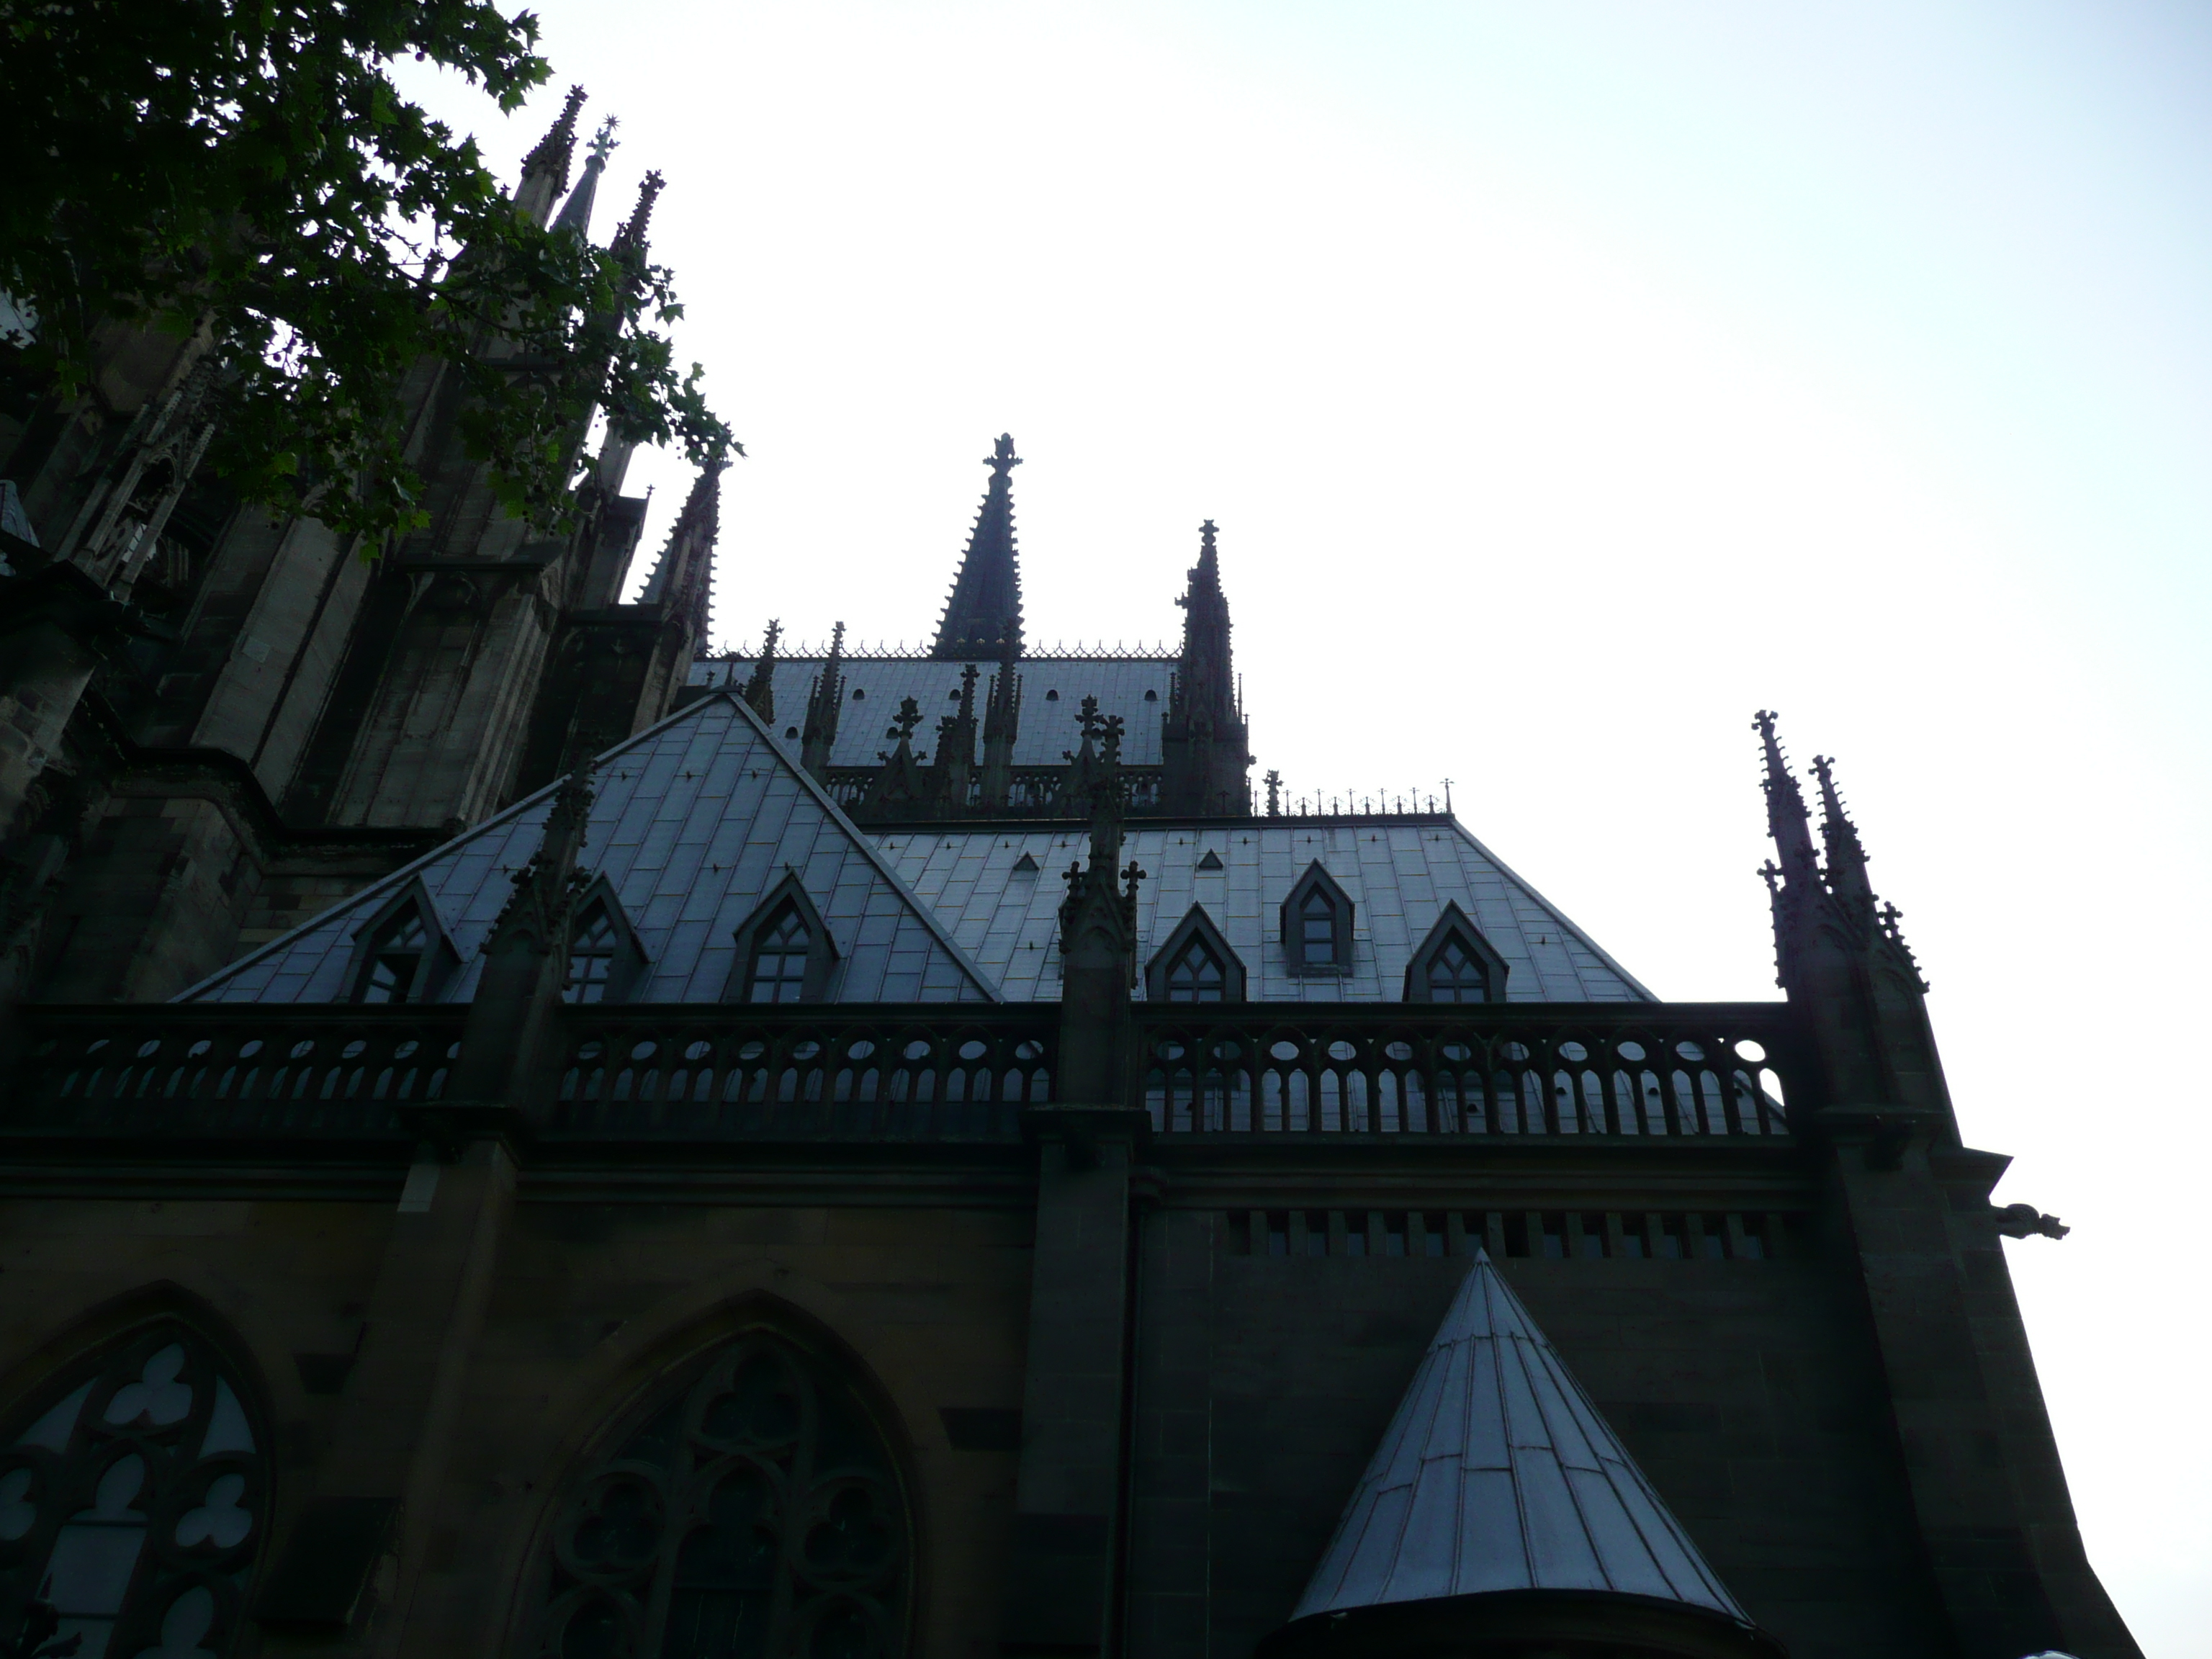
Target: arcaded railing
[
  {"x": 1618, "y": 1070},
  {"x": 1622, "y": 1072},
  {"x": 937, "y": 1072}
]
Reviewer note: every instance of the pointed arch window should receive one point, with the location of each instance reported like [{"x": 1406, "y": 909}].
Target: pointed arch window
[
  {"x": 133, "y": 1498},
  {"x": 1195, "y": 964},
  {"x": 605, "y": 960},
  {"x": 1317, "y": 918},
  {"x": 1455, "y": 963},
  {"x": 401, "y": 953},
  {"x": 756, "y": 1511},
  {"x": 785, "y": 952}
]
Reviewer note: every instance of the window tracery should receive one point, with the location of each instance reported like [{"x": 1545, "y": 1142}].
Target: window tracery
[
  {"x": 395, "y": 959},
  {"x": 132, "y": 1503},
  {"x": 591, "y": 959},
  {"x": 780, "y": 952},
  {"x": 1196, "y": 974},
  {"x": 759, "y": 1513},
  {"x": 1456, "y": 975}
]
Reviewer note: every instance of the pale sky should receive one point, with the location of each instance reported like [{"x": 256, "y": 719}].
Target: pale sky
[{"x": 1568, "y": 381}]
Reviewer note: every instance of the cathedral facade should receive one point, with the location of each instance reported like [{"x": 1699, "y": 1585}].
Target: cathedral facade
[{"x": 525, "y": 1136}]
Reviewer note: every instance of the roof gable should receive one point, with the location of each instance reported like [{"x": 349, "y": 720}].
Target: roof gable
[{"x": 692, "y": 822}]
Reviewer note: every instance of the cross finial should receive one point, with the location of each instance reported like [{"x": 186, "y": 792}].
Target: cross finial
[
  {"x": 903, "y": 722},
  {"x": 603, "y": 145},
  {"x": 1088, "y": 719},
  {"x": 769, "y": 640},
  {"x": 1205, "y": 537},
  {"x": 1002, "y": 459}
]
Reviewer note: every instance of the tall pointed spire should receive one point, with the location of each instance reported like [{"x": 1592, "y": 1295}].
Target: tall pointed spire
[
  {"x": 1501, "y": 1504},
  {"x": 1846, "y": 857},
  {"x": 1205, "y": 759},
  {"x": 683, "y": 575},
  {"x": 760, "y": 684},
  {"x": 576, "y": 212},
  {"x": 1787, "y": 820},
  {"x": 823, "y": 704},
  {"x": 986, "y": 603},
  {"x": 545, "y": 169},
  {"x": 630, "y": 239}
]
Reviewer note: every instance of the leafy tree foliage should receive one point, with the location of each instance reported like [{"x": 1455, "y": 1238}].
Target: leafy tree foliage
[{"x": 249, "y": 167}]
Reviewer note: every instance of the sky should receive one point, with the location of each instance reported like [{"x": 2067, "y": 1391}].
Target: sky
[{"x": 1568, "y": 382}]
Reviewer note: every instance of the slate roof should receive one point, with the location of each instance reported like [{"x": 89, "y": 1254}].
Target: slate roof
[
  {"x": 1048, "y": 725},
  {"x": 1399, "y": 876},
  {"x": 1497, "y": 1474},
  {"x": 692, "y": 821}
]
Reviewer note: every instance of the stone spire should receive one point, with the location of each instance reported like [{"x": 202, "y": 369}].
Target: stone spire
[
  {"x": 1501, "y": 1505},
  {"x": 1846, "y": 858},
  {"x": 823, "y": 706},
  {"x": 545, "y": 169},
  {"x": 1097, "y": 926},
  {"x": 683, "y": 576},
  {"x": 1205, "y": 755},
  {"x": 1787, "y": 820},
  {"x": 986, "y": 604},
  {"x": 760, "y": 684},
  {"x": 1002, "y": 722},
  {"x": 576, "y": 212},
  {"x": 630, "y": 240},
  {"x": 956, "y": 751}
]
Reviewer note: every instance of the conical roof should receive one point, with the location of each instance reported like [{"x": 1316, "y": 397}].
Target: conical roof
[{"x": 1498, "y": 1474}]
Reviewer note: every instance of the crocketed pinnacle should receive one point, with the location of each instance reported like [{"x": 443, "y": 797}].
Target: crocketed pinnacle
[
  {"x": 1846, "y": 856},
  {"x": 631, "y": 238},
  {"x": 1205, "y": 689},
  {"x": 1786, "y": 819},
  {"x": 986, "y": 606},
  {"x": 545, "y": 169},
  {"x": 683, "y": 576}
]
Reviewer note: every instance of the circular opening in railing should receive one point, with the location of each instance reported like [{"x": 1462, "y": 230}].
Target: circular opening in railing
[
  {"x": 1341, "y": 1049},
  {"x": 1513, "y": 1053},
  {"x": 645, "y": 1050},
  {"x": 1398, "y": 1051},
  {"x": 1284, "y": 1049},
  {"x": 1571, "y": 1050},
  {"x": 353, "y": 1050},
  {"x": 404, "y": 1051},
  {"x": 698, "y": 1050},
  {"x": 247, "y": 1049},
  {"x": 1631, "y": 1051},
  {"x": 1169, "y": 1050},
  {"x": 753, "y": 1051},
  {"x": 302, "y": 1048},
  {"x": 917, "y": 1049},
  {"x": 809, "y": 1050},
  {"x": 1751, "y": 1051},
  {"x": 1458, "y": 1052},
  {"x": 1690, "y": 1050},
  {"x": 974, "y": 1049},
  {"x": 1028, "y": 1051},
  {"x": 1228, "y": 1051},
  {"x": 198, "y": 1048},
  {"x": 146, "y": 1049},
  {"x": 860, "y": 1050}
]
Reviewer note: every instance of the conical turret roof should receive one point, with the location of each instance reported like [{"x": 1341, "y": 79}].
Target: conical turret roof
[
  {"x": 1498, "y": 1474},
  {"x": 986, "y": 604}
]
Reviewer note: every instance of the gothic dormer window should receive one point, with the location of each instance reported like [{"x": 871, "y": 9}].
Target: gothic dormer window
[
  {"x": 604, "y": 958},
  {"x": 1317, "y": 925},
  {"x": 401, "y": 953},
  {"x": 1455, "y": 963},
  {"x": 784, "y": 952},
  {"x": 1195, "y": 964}
]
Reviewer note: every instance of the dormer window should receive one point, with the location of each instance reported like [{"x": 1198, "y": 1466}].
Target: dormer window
[
  {"x": 1195, "y": 964},
  {"x": 1196, "y": 973},
  {"x": 604, "y": 958},
  {"x": 1455, "y": 963},
  {"x": 784, "y": 952},
  {"x": 395, "y": 959},
  {"x": 400, "y": 954},
  {"x": 591, "y": 959},
  {"x": 780, "y": 953},
  {"x": 1455, "y": 976},
  {"x": 1317, "y": 925}
]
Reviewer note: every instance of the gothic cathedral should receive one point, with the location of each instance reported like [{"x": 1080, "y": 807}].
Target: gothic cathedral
[{"x": 531, "y": 1139}]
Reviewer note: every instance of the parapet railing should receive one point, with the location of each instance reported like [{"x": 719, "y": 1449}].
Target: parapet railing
[
  {"x": 939, "y": 1072},
  {"x": 925, "y": 1072},
  {"x": 232, "y": 1069},
  {"x": 1619, "y": 1071}
]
